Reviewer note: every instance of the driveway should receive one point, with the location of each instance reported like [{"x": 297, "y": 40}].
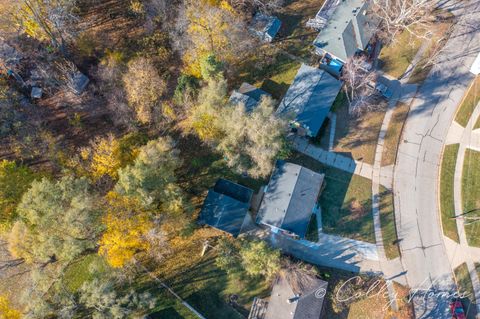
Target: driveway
[{"x": 416, "y": 172}]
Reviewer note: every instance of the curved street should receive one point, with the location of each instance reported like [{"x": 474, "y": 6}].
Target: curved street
[{"x": 416, "y": 174}]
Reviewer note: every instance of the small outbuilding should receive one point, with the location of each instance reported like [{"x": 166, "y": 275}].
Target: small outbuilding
[
  {"x": 79, "y": 82},
  {"x": 248, "y": 95},
  {"x": 226, "y": 207},
  {"x": 309, "y": 99},
  {"x": 290, "y": 198},
  {"x": 265, "y": 27}
]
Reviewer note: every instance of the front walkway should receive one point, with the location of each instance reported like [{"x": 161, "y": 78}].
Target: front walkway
[{"x": 468, "y": 139}]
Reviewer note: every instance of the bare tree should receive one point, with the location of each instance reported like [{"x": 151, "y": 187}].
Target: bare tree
[
  {"x": 359, "y": 85},
  {"x": 262, "y": 5},
  {"x": 396, "y": 16}
]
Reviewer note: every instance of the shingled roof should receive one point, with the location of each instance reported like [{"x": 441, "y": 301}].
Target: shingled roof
[
  {"x": 248, "y": 95},
  {"x": 290, "y": 198},
  {"x": 226, "y": 206}
]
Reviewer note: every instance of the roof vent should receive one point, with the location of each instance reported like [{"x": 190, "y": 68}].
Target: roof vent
[{"x": 293, "y": 299}]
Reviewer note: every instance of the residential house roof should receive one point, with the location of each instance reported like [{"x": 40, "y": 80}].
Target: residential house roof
[
  {"x": 248, "y": 95},
  {"x": 348, "y": 29},
  {"x": 290, "y": 198},
  {"x": 265, "y": 27},
  {"x": 226, "y": 206},
  {"x": 310, "y": 98},
  {"x": 295, "y": 296}
]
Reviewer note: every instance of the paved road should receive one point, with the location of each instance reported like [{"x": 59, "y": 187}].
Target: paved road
[{"x": 417, "y": 169}]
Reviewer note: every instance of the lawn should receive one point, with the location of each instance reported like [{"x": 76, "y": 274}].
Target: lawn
[
  {"x": 465, "y": 287},
  {"x": 471, "y": 195},
  {"x": 469, "y": 103},
  {"x": 80, "y": 271},
  {"x": 396, "y": 57},
  {"x": 394, "y": 134},
  {"x": 346, "y": 201},
  {"x": 357, "y": 136},
  {"x": 447, "y": 206},
  {"x": 387, "y": 220}
]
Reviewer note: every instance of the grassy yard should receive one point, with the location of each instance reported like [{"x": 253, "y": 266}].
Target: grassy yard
[
  {"x": 396, "y": 57},
  {"x": 387, "y": 220},
  {"x": 447, "y": 206},
  {"x": 469, "y": 103},
  {"x": 356, "y": 136},
  {"x": 471, "y": 194},
  {"x": 394, "y": 133},
  {"x": 464, "y": 284},
  {"x": 312, "y": 230},
  {"x": 80, "y": 271},
  {"x": 346, "y": 201}
]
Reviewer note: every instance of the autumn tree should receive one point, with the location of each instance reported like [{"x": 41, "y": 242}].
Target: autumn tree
[
  {"x": 396, "y": 16},
  {"x": 359, "y": 85},
  {"x": 127, "y": 227},
  {"x": 210, "y": 28},
  {"x": 6, "y": 309},
  {"x": 252, "y": 140},
  {"x": 47, "y": 20},
  {"x": 104, "y": 300},
  {"x": 14, "y": 182},
  {"x": 144, "y": 88},
  {"x": 228, "y": 257},
  {"x": 260, "y": 259},
  {"x": 58, "y": 221}
]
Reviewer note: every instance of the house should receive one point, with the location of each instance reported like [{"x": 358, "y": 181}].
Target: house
[
  {"x": 265, "y": 27},
  {"x": 248, "y": 95},
  {"x": 309, "y": 99},
  {"x": 290, "y": 199},
  {"x": 347, "y": 28},
  {"x": 226, "y": 207},
  {"x": 294, "y": 296},
  {"x": 79, "y": 82}
]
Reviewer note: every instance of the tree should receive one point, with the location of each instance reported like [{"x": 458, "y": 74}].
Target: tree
[
  {"x": 47, "y": 20},
  {"x": 151, "y": 178},
  {"x": 103, "y": 300},
  {"x": 228, "y": 258},
  {"x": 126, "y": 232},
  {"x": 105, "y": 156},
  {"x": 260, "y": 259},
  {"x": 14, "y": 182},
  {"x": 58, "y": 221},
  {"x": 144, "y": 88},
  {"x": 252, "y": 141},
  {"x": 202, "y": 118},
  {"x": 359, "y": 85},
  {"x": 210, "y": 67},
  {"x": 396, "y": 16},
  {"x": 6, "y": 310}
]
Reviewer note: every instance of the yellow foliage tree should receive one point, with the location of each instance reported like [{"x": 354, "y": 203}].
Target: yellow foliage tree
[
  {"x": 105, "y": 157},
  {"x": 6, "y": 310},
  {"x": 126, "y": 232}
]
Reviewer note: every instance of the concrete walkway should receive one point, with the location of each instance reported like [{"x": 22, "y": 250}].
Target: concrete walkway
[{"x": 467, "y": 140}]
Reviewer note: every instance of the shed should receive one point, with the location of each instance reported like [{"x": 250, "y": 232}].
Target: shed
[
  {"x": 290, "y": 198},
  {"x": 226, "y": 207},
  {"x": 248, "y": 95},
  {"x": 265, "y": 27},
  {"x": 79, "y": 83},
  {"x": 309, "y": 99}
]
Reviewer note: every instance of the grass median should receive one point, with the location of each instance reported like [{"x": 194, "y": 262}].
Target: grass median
[
  {"x": 387, "y": 220},
  {"x": 447, "y": 205},
  {"x": 471, "y": 196}
]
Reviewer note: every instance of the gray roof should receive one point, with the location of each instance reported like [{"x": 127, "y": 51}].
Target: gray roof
[
  {"x": 79, "y": 82},
  {"x": 310, "y": 293},
  {"x": 348, "y": 29},
  {"x": 226, "y": 206},
  {"x": 264, "y": 26},
  {"x": 310, "y": 98},
  {"x": 290, "y": 198},
  {"x": 248, "y": 95}
]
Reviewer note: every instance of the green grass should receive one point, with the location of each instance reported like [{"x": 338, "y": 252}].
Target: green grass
[
  {"x": 346, "y": 201},
  {"x": 387, "y": 220},
  {"x": 312, "y": 230},
  {"x": 447, "y": 205},
  {"x": 471, "y": 194},
  {"x": 80, "y": 271},
  {"x": 465, "y": 287},
  {"x": 394, "y": 133},
  {"x": 477, "y": 124},
  {"x": 396, "y": 57},
  {"x": 469, "y": 103}
]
